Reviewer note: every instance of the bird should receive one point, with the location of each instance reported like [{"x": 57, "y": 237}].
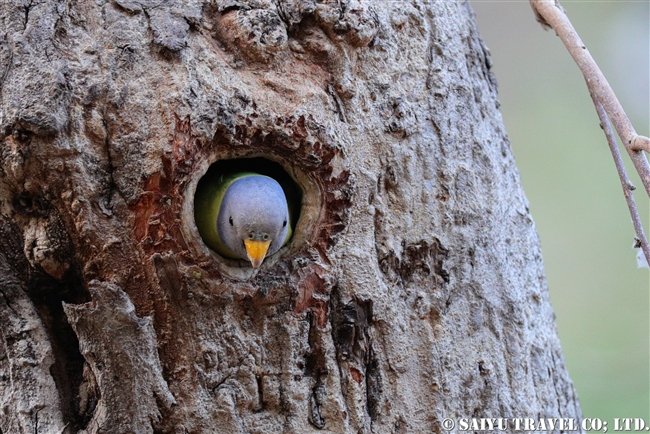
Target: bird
[{"x": 242, "y": 215}]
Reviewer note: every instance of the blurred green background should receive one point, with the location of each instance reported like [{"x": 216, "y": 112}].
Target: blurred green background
[{"x": 599, "y": 295}]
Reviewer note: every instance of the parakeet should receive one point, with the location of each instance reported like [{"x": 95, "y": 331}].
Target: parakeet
[{"x": 242, "y": 215}]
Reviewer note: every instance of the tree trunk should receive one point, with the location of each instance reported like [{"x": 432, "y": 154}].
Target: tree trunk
[{"x": 412, "y": 289}]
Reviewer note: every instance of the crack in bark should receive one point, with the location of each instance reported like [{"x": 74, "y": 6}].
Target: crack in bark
[
  {"x": 105, "y": 204},
  {"x": 338, "y": 104},
  {"x": 46, "y": 294},
  {"x": 351, "y": 322},
  {"x": 26, "y": 9}
]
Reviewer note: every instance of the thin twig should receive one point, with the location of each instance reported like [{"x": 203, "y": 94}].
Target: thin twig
[
  {"x": 550, "y": 14},
  {"x": 622, "y": 174}
]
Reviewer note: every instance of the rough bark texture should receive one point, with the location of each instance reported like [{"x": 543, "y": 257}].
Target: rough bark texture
[{"x": 412, "y": 291}]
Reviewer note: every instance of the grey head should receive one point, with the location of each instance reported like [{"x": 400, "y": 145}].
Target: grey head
[{"x": 253, "y": 219}]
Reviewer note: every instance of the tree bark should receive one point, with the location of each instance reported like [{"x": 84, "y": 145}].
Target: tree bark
[{"x": 411, "y": 291}]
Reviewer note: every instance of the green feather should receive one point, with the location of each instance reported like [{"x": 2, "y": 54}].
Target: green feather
[{"x": 207, "y": 202}]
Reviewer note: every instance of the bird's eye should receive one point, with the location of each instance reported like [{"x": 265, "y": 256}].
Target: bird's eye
[
  {"x": 265, "y": 237},
  {"x": 230, "y": 221},
  {"x": 251, "y": 236},
  {"x": 284, "y": 223}
]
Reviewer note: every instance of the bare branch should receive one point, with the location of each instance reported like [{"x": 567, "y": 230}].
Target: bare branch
[
  {"x": 550, "y": 13},
  {"x": 622, "y": 174}
]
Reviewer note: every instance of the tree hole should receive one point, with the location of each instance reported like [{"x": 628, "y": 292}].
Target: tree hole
[{"x": 210, "y": 199}]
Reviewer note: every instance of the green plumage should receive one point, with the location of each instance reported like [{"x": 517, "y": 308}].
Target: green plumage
[{"x": 208, "y": 200}]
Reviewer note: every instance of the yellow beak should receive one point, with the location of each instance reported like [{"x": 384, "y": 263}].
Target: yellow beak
[{"x": 256, "y": 251}]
